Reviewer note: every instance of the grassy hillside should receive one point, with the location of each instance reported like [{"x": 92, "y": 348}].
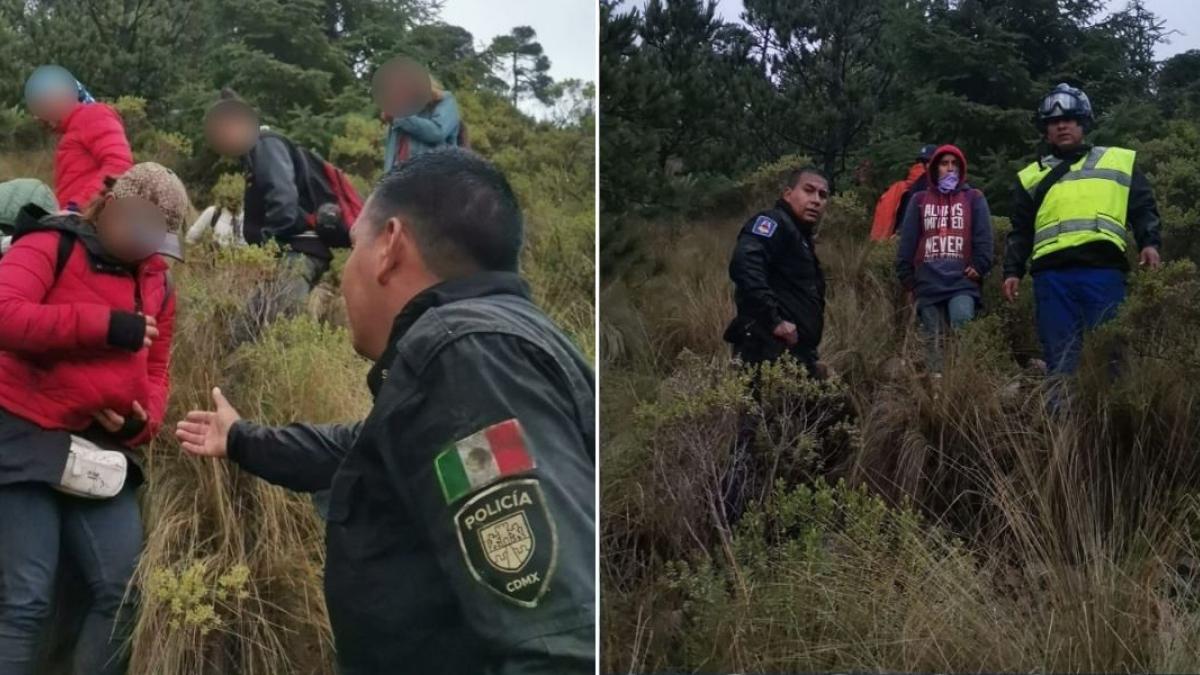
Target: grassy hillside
[
  {"x": 896, "y": 525},
  {"x": 231, "y": 575}
]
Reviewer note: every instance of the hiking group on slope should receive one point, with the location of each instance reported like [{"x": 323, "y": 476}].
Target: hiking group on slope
[
  {"x": 1073, "y": 212},
  {"x": 87, "y": 316}
]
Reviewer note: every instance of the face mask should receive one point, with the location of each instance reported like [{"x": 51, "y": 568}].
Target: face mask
[{"x": 948, "y": 182}]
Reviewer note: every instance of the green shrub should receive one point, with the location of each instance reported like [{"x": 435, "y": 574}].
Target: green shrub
[
  {"x": 132, "y": 110},
  {"x": 229, "y": 191},
  {"x": 20, "y": 131},
  {"x": 358, "y": 149}
]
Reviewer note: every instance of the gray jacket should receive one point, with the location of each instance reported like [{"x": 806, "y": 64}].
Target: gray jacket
[{"x": 459, "y": 541}]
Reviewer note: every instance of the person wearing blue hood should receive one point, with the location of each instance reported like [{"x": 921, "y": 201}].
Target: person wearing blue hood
[
  {"x": 945, "y": 250},
  {"x": 421, "y": 115}
]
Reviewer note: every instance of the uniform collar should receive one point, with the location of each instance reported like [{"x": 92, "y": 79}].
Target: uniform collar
[
  {"x": 478, "y": 285},
  {"x": 786, "y": 208}
]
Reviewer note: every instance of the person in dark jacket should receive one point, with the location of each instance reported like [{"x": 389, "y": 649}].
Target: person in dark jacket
[
  {"x": 779, "y": 288},
  {"x": 1072, "y": 212},
  {"x": 461, "y": 526},
  {"x": 278, "y": 203},
  {"x": 86, "y": 323},
  {"x": 779, "y": 292},
  {"x": 919, "y": 185},
  {"x": 945, "y": 250}
]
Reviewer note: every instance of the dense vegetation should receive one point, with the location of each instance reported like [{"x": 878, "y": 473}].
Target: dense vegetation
[
  {"x": 896, "y": 525},
  {"x": 231, "y": 573}
]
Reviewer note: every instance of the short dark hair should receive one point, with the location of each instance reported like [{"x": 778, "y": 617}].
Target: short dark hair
[
  {"x": 462, "y": 211},
  {"x": 796, "y": 174}
]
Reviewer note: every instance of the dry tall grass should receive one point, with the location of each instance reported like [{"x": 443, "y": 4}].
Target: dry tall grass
[
  {"x": 230, "y": 576},
  {"x": 956, "y": 527}
]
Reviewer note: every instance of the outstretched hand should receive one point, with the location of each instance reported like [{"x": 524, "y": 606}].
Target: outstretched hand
[{"x": 204, "y": 433}]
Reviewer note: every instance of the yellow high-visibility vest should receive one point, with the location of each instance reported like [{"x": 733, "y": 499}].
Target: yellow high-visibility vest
[{"x": 1087, "y": 204}]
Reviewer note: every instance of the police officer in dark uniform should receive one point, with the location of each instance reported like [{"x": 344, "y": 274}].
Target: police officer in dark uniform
[
  {"x": 779, "y": 290},
  {"x": 461, "y": 523},
  {"x": 779, "y": 287}
]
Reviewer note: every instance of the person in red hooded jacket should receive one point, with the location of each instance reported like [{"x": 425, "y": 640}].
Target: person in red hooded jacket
[
  {"x": 86, "y": 319},
  {"x": 92, "y": 143},
  {"x": 945, "y": 249}
]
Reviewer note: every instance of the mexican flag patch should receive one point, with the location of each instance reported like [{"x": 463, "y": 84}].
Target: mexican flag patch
[{"x": 481, "y": 459}]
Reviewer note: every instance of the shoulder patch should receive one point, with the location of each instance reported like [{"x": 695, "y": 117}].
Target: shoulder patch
[
  {"x": 481, "y": 459},
  {"x": 764, "y": 227},
  {"x": 508, "y": 540}
]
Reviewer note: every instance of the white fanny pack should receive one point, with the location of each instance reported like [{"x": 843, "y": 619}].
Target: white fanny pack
[{"x": 92, "y": 471}]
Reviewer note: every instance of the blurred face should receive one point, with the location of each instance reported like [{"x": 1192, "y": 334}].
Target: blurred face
[
  {"x": 231, "y": 135},
  {"x": 52, "y": 107},
  {"x": 401, "y": 89},
  {"x": 1064, "y": 132},
  {"x": 808, "y": 197},
  {"x": 948, "y": 163},
  {"x": 131, "y": 228}
]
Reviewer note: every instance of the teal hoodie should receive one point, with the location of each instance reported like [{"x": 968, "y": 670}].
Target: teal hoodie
[{"x": 434, "y": 127}]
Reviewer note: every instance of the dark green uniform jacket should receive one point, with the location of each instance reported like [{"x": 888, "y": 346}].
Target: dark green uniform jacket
[{"x": 461, "y": 533}]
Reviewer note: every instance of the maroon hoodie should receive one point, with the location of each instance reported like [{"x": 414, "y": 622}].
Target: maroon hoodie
[{"x": 941, "y": 235}]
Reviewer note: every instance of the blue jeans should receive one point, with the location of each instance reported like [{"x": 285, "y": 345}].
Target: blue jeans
[
  {"x": 958, "y": 310},
  {"x": 1070, "y": 302},
  {"x": 37, "y": 526}
]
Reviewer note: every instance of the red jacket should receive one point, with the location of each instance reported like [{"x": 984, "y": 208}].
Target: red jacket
[
  {"x": 57, "y": 367},
  {"x": 887, "y": 215},
  {"x": 93, "y": 145}
]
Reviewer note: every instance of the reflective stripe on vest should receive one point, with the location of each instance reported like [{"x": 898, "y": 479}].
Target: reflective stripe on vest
[{"x": 1086, "y": 205}]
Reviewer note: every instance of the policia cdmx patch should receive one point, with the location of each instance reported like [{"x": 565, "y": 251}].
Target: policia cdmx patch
[
  {"x": 509, "y": 540},
  {"x": 506, "y": 534}
]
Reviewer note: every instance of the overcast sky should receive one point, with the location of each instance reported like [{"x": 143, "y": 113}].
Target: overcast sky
[
  {"x": 566, "y": 28},
  {"x": 1180, "y": 15}
]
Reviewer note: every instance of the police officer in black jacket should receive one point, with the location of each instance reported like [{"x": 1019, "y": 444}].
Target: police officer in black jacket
[
  {"x": 779, "y": 287},
  {"x": 461, "y": 525},
  {"x": 779, "y": 291}
]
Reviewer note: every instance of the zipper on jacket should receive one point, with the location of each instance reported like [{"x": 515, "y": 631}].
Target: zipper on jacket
[{"x": 137, "y": 292}]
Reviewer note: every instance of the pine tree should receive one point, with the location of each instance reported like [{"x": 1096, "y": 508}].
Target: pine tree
[{"x": 524, "y": 63}]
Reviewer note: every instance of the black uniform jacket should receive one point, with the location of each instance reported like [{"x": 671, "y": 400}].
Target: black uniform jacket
[
  {"x": 777, "y": 277},
  {"x": 424, "y": 575}
]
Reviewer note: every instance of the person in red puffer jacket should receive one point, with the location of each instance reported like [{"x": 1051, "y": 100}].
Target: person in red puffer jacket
[
  {"x": 87, "y": 313},
  {"x": 92, "y": 145}
]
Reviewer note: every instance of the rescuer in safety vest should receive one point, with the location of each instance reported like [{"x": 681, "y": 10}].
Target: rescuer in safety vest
[{"x": 1071, "y": 213}]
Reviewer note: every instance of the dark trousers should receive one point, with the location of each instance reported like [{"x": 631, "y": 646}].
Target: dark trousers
[
  {"x": 742, "y": 479},
  {"x": 38, "y": 526},
  {"x": 1070, "y": 302}
]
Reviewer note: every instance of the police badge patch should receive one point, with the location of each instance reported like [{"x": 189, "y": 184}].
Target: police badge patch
[
  {"x": 509, "y": 541},
  {"x": 764, "y": 227}
]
